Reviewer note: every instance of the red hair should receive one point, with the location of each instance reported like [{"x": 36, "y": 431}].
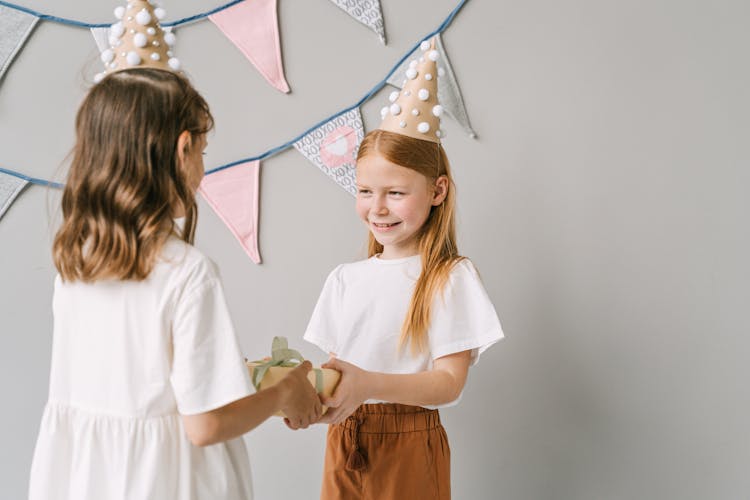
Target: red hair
[{"x": 436, "y": 238}]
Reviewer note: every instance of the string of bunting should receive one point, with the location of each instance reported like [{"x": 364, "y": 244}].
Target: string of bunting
[
  {"x": 367, "y": 12},
  {"x": 232, "y": 190}
]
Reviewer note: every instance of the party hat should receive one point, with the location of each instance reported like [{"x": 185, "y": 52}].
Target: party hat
[
  {"x": 137, "y": 40},
  {"x": 415, "y": 111}
]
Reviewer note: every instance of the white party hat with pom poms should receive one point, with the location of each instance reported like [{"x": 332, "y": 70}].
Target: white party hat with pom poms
[
  {"x": 137, "y": 40},
  {"x": 415, "y": 111}
]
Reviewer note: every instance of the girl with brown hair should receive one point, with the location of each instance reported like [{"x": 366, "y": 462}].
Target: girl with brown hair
[
  {"x": 149, "y": 395},
  {"x": 403, "y": 326}
]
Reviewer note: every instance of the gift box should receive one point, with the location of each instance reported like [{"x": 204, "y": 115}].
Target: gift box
[{"x": 266, "y": 372}]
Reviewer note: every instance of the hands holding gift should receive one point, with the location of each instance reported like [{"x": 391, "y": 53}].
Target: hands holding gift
[
  {"x": 301, "y": 404},
  {"x": 298, "y": 383},
  {"x": 349, "y": 394}
]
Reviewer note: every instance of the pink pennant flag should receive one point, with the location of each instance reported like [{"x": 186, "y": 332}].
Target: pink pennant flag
[
  {"x": 233, "y": 194},
  {"x": 253, "y": 27}
]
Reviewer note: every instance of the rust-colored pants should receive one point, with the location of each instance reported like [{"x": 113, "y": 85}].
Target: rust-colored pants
[{"x": 387, "y": 452}]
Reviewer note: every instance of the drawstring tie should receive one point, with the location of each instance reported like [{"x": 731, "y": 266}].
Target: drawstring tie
[{"x": 356, "y": 460}]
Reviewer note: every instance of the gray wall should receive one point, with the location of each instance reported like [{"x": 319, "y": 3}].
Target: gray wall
[{"x": 604, "y": 204}]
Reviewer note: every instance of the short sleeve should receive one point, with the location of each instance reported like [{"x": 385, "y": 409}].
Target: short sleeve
[
  {"x": 322, "y": 330},
  {"x": 208, "y": 370},
  {"x": 463, "y": 317}
]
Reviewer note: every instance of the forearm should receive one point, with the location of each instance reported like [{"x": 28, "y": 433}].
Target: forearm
[
  {"x": 432, "y": 387},
  {"x": 441, "y": 385},
  {"x": 234, "y": 419},
  {"x": 246, "y": 414}
]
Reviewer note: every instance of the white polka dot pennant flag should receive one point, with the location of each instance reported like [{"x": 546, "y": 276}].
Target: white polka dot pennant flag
[
  {"x": 366, "y": 12},
  {"x": 15, "y": 28},
  {"x": 449, "y": 93},
  {"x": 10, "y": 187},
  {"x": 333, "y": 146}
]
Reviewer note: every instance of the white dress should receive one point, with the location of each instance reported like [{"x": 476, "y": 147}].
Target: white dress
[
  {"x": 127, "y": 359},
  {"x": 363, "y": 305}
]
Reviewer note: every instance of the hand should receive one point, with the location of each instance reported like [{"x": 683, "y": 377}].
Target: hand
[
  {"x": 350, "y": 393},
  {"x": 301, "y": 404}
]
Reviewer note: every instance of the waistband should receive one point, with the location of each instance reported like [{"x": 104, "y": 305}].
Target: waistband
[{"x": 391, "y": 418}]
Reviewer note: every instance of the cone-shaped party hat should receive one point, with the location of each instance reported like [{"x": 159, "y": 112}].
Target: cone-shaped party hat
[
  {"x": 415, "y": 111},
  {"x": 137, "y": 40}
]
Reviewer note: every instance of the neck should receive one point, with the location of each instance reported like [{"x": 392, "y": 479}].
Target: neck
[{"x": 399, "y": 252}]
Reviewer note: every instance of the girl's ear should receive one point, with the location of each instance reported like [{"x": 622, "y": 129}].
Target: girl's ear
[
  {"x": 440, "y": 191},
  {"x": 184, "y": 143}
]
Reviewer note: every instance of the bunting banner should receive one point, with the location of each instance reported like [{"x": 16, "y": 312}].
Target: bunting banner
[
  {"x": 232, "y": 190},
  {"x": 15, "y": 28},
  {"x": 233, "y": 194},
  {"x": 10, "y": 187},
  {"x": 449, "y": 94},
  {"x": 367, "y": 12},
  {"x": 253, "y": 27},
  {"x": 332, "y": 147}
]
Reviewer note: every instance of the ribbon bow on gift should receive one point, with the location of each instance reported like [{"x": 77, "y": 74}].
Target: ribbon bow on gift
[{"x": 282, "y": 356}]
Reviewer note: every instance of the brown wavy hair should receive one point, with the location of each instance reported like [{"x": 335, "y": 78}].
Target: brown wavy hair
[
  {"x": 436, "y": 238},
  {"x": 124, "y": 180}
]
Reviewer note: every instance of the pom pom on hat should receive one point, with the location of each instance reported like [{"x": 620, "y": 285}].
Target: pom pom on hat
[
  {"x": 133, "y": 58},
  {"x": 170, "y": 38},
  {"x": 140, "y": 40},
  {"x": 143, "y": 17},
  {"x": 107, "y": 56},
  {"x": 117, "y": 29}
]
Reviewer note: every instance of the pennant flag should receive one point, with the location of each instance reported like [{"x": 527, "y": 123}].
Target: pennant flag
[
  {"x": 366, "y": 12},
  {"x": 449, "y": 94},
  {"x": 333, "y": 146},
  {"x": 15, "y": 28},
  {"x": 253, "y": 27},
  {"x": 233, "y": 194},
  {"x": 101, "y": 37},
  {"x": 10, "y": 187}
]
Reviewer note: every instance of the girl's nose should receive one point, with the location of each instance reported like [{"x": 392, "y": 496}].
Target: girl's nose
[{"x": 380, "y": 208}]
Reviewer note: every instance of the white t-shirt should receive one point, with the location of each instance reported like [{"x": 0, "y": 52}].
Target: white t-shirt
[
  {"x": 363, "y": 305},
  {"x": 127, "y": 359}
]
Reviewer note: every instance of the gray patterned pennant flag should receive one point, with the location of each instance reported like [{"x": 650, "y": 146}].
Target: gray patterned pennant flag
[
  {"x": 449, "y": 94},
  {"x": 101, "y": 37},
  {"x": 366, "y": 12},
  {"x": 15, "y": 28},
  {"x": 333, "y": 146},
  {"x": 10, "y": 187}
]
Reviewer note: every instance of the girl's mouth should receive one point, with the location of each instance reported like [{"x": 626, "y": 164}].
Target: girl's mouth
[{"x": 384, "y": 226}]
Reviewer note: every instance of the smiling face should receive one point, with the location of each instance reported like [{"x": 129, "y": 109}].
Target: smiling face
[{"x": 395, "y": 202}]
